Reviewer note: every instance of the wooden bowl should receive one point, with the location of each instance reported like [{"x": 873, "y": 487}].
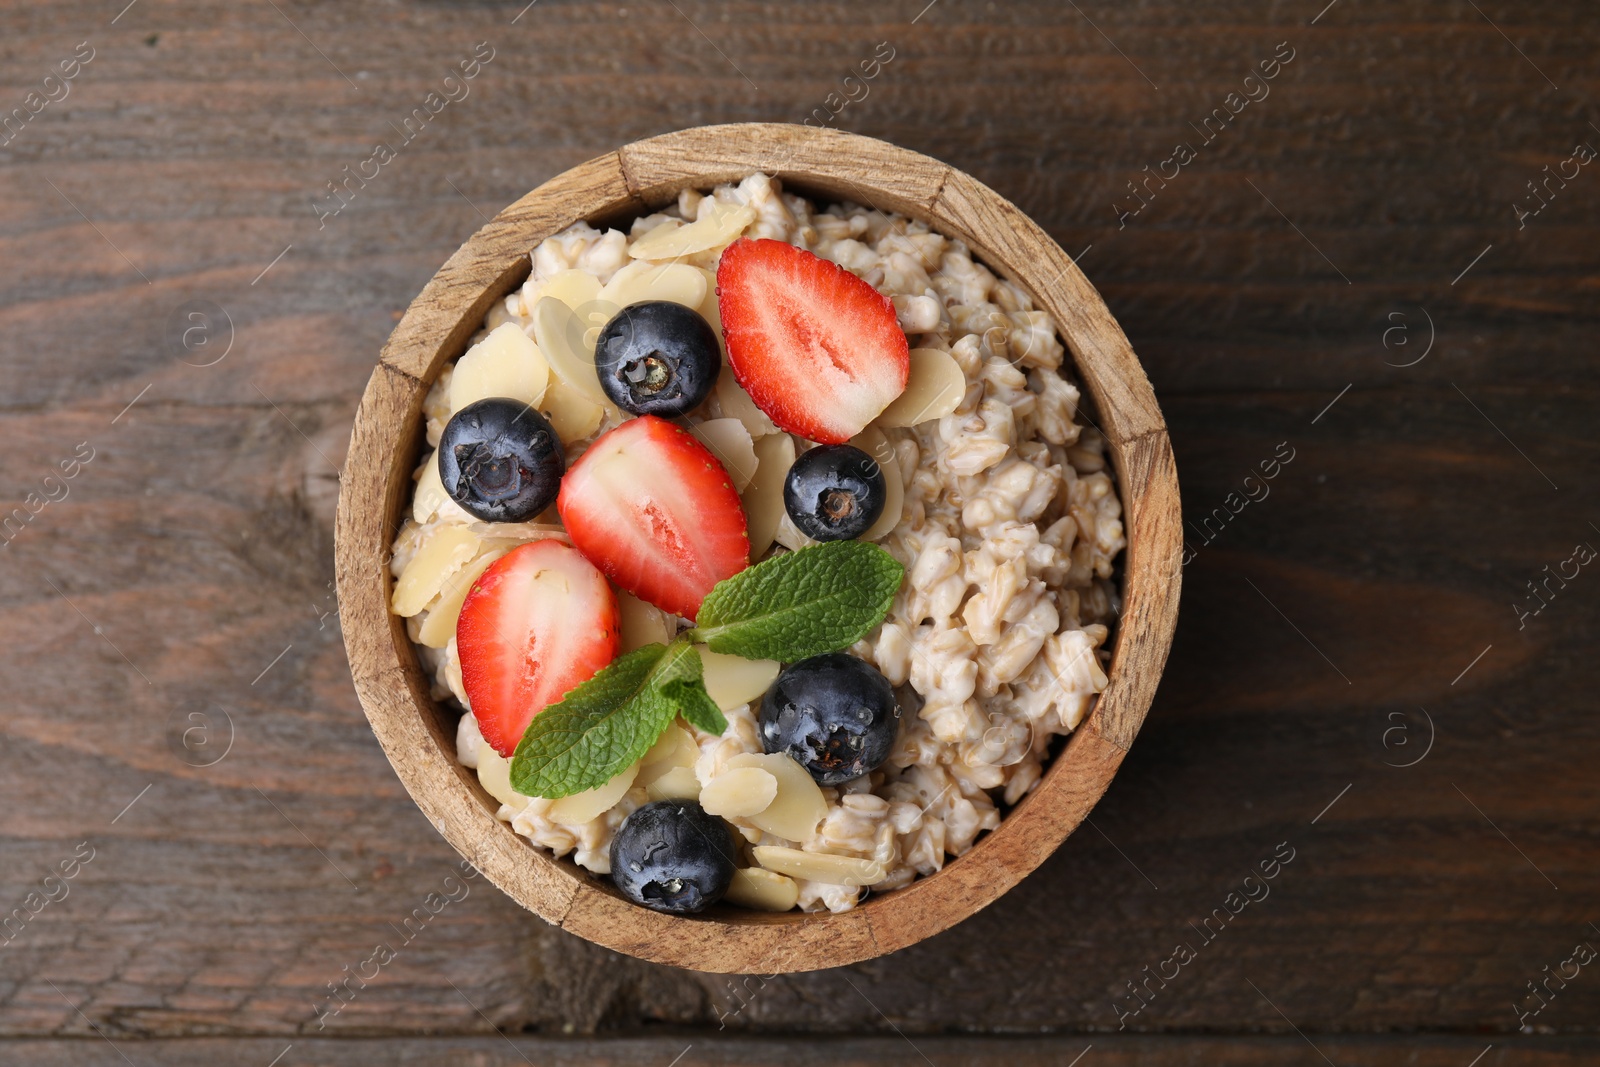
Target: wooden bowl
[{"x": 419, "y": 736}]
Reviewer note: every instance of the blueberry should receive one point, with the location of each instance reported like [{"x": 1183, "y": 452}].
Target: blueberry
[
  {"x": 833, "y": 714},
  {"x": 501, "y": 460},
  {"x": 673, "y": 857},
  {"x": 657, "y": 358},
  {"x": 834, "y": 492}
]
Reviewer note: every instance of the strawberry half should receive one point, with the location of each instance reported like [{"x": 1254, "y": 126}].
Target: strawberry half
[
  {"x": 538, "y": 622},
  {"x": 817, "y": 348},
  {"x": 657, "y": 513}
]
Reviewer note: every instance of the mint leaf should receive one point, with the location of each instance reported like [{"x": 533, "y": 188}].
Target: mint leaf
[
  {"x": 696, "y": 705},
  {"x": 603, "y": 726},
  {"x": 819, "y": 599},
  {"x": 680, "y": 678},
  {"x": 681, "y": 663},
  {"x": 599, "y": 728}
]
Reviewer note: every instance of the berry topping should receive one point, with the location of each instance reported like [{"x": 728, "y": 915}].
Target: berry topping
[
  {"x": 834, "y": 492},
  {"x": 538, "y": 622},
  {"x": 817, "y": 348},
  {"x": 500, "y": 460},
  {"x": 833, "y": 714},
  {"x": 657, "y": 513},
  {"x": 657, "y": 358},
  {"x": 673, "y": 857}
]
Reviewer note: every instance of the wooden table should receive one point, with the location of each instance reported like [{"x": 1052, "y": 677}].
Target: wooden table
[{"x": 1349, "y": 271}]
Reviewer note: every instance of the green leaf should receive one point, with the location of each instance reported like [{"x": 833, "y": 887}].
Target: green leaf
[
  {"x": 696, "y": 705},
  {"x": 680, "y": 678},
  {"x": 819, "y": 599},
  {"x": 681, "y": 663},
  {"x": 599, "y": 728}
]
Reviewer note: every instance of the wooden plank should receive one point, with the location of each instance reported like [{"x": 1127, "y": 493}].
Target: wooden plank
[
  {"x": 699, "y": 1050},
  {"x": 1398, "y": 539}
]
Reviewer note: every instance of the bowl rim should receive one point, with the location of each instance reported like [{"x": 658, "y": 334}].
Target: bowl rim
[{"x": 384, "y": 446}]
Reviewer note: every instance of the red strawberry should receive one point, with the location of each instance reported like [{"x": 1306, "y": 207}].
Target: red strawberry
[
  {"x": 539, "y": 621},
  {"x": 657, "y": 512},
  {"x": 817, "y": 348}
]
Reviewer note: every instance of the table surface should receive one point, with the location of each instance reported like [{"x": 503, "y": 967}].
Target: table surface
[{"x": 1354, "y": 270}]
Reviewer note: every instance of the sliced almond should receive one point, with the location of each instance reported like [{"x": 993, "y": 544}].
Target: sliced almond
[
  {"x": 494, "y": 773},
  {"x": 430, "y": 492},
  {"x": 717, "y": 227},
  {"x": 440, "y": 625},
  {"x": 679, "y": 783},
  {"x": 738, "y": 792},
  {"x": 734, "y": 680},
  {"x": 642, "y": 228},
  {"x": 763, "y": 499},
  {"x": 519, "y": 533},
  {"x": 763, "y": 890},
  {"x": 641, "y": 280},
  {"x": 674, "y": 748},
  {"x": 874, "y": 443},
  {"x": 572, "y": 414},
  {"x": 934, "y": 390},
  {"x": 799, "y": 804},
  {"x": 735, "y": 403},
  {"x": 642, "y": 623},
  {"x": 819, "y": 866},
  {"x": 559, "y": 332},
  {"x": 574, "y": 288},
  {"x": 648, "y": 775},
  {"x": 506, "y": 363},
  {"x": 711, "y": 310},
  {"x": 789, "y": 536},
  {"x": 591, "y": 803},
  {"x": 447, "y": 550},
  {"x": 730, "y": 442}
]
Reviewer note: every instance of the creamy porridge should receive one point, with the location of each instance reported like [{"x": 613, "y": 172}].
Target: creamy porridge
[{"x": 1001, "y": 508}]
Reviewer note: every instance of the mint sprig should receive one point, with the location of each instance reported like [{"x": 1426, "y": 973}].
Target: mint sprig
[
  {"x": 597, "y": 730},
  {"x": 819, "y": 599},
  {"x": 696, "y": 705}
]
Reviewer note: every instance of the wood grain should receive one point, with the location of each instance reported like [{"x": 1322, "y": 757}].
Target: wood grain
[
  {"x": 199, "y": 539},
  {"x": 1113, "y": 1051}
]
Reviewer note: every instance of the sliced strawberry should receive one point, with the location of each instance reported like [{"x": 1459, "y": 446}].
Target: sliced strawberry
[
  {"x": 657, "y": 512},
  {"x": 817, "y": 348},
  {"x": 539, "y": 621}
]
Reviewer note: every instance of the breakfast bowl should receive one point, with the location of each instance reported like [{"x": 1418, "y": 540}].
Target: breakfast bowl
[{"x": 666, "y": 183}]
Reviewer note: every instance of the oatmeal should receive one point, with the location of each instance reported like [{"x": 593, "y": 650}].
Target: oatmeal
[{"x": 1000, "y": 506}]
